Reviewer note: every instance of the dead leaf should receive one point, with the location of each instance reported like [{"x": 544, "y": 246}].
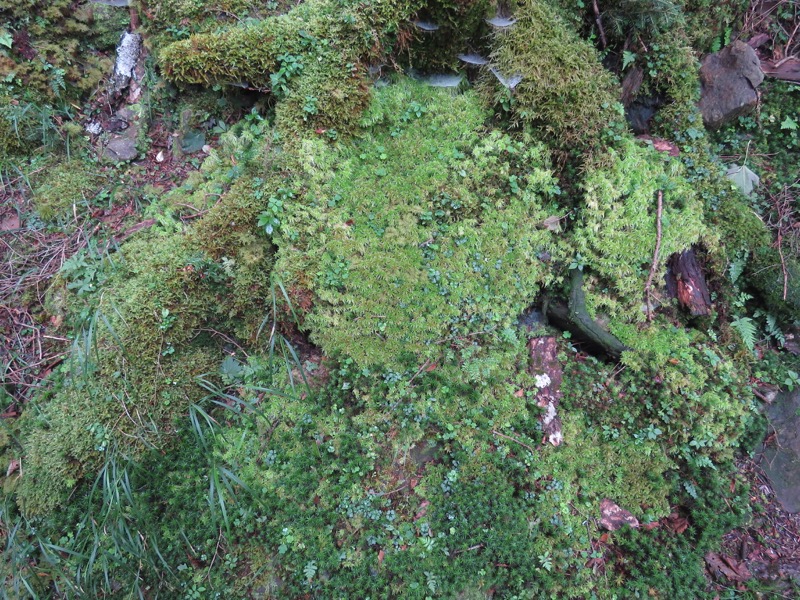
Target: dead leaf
[
  {"x": 381, "y": 555},
  {"x": 423, "y": 508},
  {"x": 677, "y": 523},
  {"x": 519, "y": 393},
  {"x": 10, "y": 222},
  {"x": 552, "y": 223},
  {"x": 719, "y": 565},
  {"x": 12, "y": 466},
  {"x": 613, "y": 517}
]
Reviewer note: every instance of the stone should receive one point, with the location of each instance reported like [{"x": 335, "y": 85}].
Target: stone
[
  {"x": 121, "y": 148},
  {"x": 729, "y": 80},
  {"x": 781, "y": 460}
]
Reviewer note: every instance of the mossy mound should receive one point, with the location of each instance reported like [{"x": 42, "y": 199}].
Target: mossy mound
[
  {"x": 563, "y": 87},
  {"x": 424, "y": 231},
  {"x": 394, "y": 446},
  {"x": 617, "y": 235}
]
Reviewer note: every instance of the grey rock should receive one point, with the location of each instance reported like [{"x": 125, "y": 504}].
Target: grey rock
[
  {"x": 122, "y": 147},
  {"x": 729, "y": 79},
  {"x": 94, "y": 127},
  {"x": 781, "y": 461}
]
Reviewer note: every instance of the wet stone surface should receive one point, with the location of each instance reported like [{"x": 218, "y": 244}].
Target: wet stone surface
[{"x": 781, "y": 457}]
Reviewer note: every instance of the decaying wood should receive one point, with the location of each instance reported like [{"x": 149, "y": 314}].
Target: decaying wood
[
  {"x": 687, "y": 282},
  {"x": 648, "y": 288},
  {"x": 574, "y": 318},
  {"x": 547, "y": 370},
  {"x": 631, "y": 85}
]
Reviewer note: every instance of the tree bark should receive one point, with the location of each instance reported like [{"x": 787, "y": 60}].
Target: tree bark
[{"x": 687, "y": 282}]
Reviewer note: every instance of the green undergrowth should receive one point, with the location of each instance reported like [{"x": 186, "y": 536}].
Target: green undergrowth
[
  {"x": 769, "y": 144},
  {"x": 617, "y": 231},
  {"x": 320, "y": 387},
  {"x": 57, "y": 51}
]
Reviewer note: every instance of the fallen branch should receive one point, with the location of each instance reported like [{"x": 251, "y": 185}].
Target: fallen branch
[
  {"x": 508, "y": 437},
  {"x": 599, "y": 24},
  {"x": 574, "y": 317},
  {"x": 654, "y": 267}
]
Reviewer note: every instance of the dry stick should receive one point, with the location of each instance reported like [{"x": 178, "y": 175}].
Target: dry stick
[
  {"x": 508, "y": 437},
  {"x": 783, "y": 265},
  {"x": 654, "y": 266},
  {"x": 599, "y": 24}
]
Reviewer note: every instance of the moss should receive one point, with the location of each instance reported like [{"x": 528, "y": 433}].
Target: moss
[
  {"x": 293, "y": 56},
  {"x": 440, "y": 249},
  {"x": 12, "y": 140},
  {"x": 564, "y": 89},
  {"x": 462, "y": 27},
  {"x": 711, "y": 24},
  {"x": 672, "y": 72},
  {"x": 147, "y": 340},
  {"x": 617, "y": 236},
  {"x": 63, "y": 186},
  {"x": 766, "y": 274},
  {"x": 60, "y": 53}
]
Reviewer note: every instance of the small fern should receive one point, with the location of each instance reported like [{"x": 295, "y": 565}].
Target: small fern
[{"x": 747, "y": 330}]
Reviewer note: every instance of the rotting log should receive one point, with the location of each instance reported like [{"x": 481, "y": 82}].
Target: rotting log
[
  {"x": 573, "y": 317},
  {"x": 549, "y": 373},
  {"x": 687, "y": 282}
]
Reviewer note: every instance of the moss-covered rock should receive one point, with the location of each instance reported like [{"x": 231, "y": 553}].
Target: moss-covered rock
[
  {"x": 311, "y": 58},
  {"x": 564, "y": 90},
  {"x": 426, "y": 231}
]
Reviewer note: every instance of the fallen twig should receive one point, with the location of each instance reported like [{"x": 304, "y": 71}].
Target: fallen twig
[
  {"x": 599, "y": 24},
  {"x": 654, "y": 266},
  {"x": 508, "y": 437}
]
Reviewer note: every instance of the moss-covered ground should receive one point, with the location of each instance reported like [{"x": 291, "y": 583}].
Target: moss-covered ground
[{"x": 301, "y": 371}]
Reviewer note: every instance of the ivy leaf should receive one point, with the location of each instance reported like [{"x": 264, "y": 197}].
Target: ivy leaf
[
  {"x": 789, "y": 123},
  {"x": 5, "y": 38},
  {"x": 744, "y": 178}
]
